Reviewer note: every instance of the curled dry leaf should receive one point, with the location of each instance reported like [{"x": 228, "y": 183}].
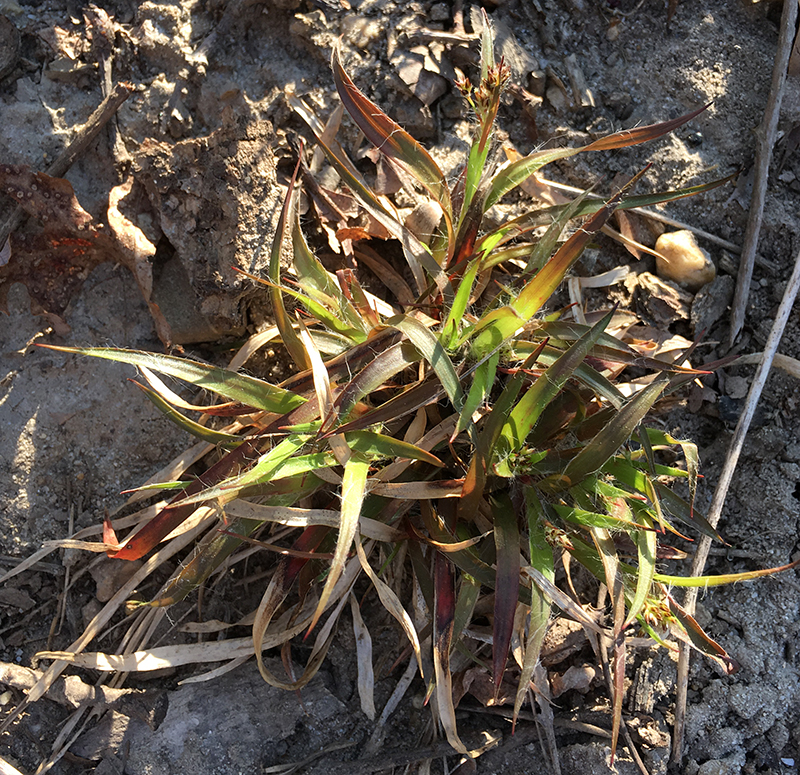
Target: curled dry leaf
[{"x": 138, "y": 253}]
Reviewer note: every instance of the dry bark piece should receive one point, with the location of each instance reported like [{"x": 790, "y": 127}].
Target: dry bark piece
[
  {"x": 664, "y": 302},
  {"x": 109, "y": 575},
  {"x": 581, "y": 93},
  {"x": 477, "y": 682},
  {"x": 711, "y": 302},
  {"x": 684, "y": 261},
  {"x": 54, "y": 263}
]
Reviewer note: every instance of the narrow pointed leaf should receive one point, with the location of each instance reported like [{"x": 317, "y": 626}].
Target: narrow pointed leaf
[
  {"x": 282, "y": 320},
  {"x": 527, "y": 411},
  {"x": 722, "y": 578},
  {"x": 200, "y": 431},
  {"x": 390, "y": 138},
  {"x": 433, "y": 352},
  {"x": 688, "y": 630},
  {"x": 689, "y": 453},
  {"x": 506, "y": 591},
  {"x": 634, "y": 478},
  {"x": 313, "y": 276},
  {"x": 541, "y": 557},
  {"x": 481, "y": 388},
  {"x": 354, "y": 482},
  {"x": 592, "y": 457},
  {"x": 377, "y": 445},
  {"x": 647, "y": 549},
  {"x": 545, "y": 246},
  {"x": 378, "y": 372},
  {"x": 230, "y": 384},
  {"x": 544, "y": 216},
  {"x": 443, "y": 617},
  {"x": 515, "y": 173},
  {"x": 460, "y": 304}
]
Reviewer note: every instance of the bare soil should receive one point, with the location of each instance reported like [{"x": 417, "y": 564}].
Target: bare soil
[{"x": 205, "y": 135}]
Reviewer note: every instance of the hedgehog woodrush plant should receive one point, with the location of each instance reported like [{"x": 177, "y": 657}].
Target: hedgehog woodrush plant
[{"x": 457, "y": 429}]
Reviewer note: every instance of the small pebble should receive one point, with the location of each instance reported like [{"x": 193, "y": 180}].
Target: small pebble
[
  {"x": 695, "y": 139},
  {"x": 684, "y": 261}
]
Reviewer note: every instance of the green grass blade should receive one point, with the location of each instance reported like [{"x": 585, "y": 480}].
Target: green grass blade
[
  {"x": 603, "y": 446},
  {"x": 375, "y": 374},
  {"x": 527, "y": 411},
  {"x": 459, "y": 306},
  {"x": 313, "y": 276},
  {"x": 354, "y": 484},
  {"x": 236, "y": 387},
  {"x": 541, "y": 557},
  {"x": 722, "y": 578},
  {"x": 545, "y": 246},
  {"x": 378, "y": 445},
  {"x": 689, "y": 453},
  {"x": 479, "y": 391},
  {"x": 432, "y": 350},
  {"x": 646, "y": 545},
  {"x": 544, "y": 216},
  {"x": 270, "y": 466},
  {"x": 515, "y": 173},
  {"x": 593, "y": 518},
  {"x": 190, "y": 426},
  {"x": 282, "y": 319}
]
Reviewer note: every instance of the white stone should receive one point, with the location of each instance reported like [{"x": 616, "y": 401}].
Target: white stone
[{"x": 684, "y": 261}]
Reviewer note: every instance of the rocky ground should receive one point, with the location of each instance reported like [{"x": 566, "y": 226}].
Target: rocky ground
[{"x": 204, "y": 139}]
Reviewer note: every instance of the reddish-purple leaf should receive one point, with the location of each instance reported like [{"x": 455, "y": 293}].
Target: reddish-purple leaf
[{"x": 506, "y": 591}]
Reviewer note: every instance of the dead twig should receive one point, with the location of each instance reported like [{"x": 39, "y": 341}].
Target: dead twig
[
  {"x": 765, "y": 139},
  {"x": 665, "y": 219},
  {"x": 84, "y": 137},
  {"x": 726, "y": 476}
]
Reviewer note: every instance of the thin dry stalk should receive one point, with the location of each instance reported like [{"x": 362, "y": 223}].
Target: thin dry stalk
[
  {"x": 765, "y": 139},
  {"x": 718, "y": 501},
  {"x": 657, "y": 216}
]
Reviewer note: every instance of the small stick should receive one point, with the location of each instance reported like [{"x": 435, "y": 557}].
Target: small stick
[
  {"x": 765, "y": 139},
  {"x": 656, "y": 216},
  {"x": 85, "y": 136},
  {"x": 725, "y": 478}
]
